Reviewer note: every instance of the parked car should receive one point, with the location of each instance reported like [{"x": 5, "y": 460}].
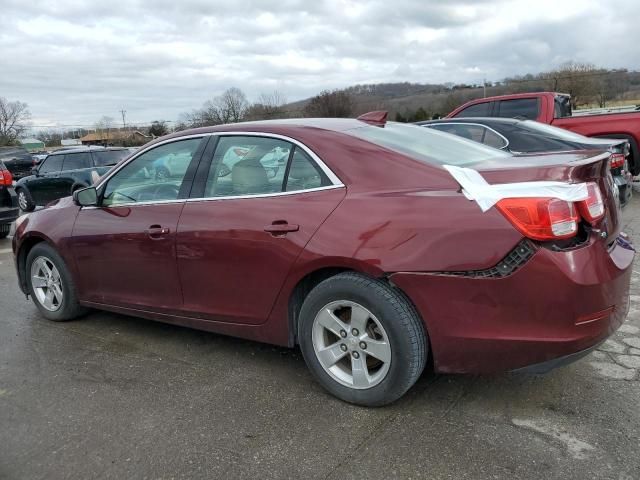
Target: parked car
[
  {"x": 8, "y": 201},
  {"x": 363, "y": 250},
  {"x": 17, "y": 160},
  {"x": 527, "y": 136},
  {"x": 65, "y": 171},
  {"x": 555, "y": 109}
]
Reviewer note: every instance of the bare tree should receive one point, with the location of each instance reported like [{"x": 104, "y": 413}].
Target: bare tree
[
  {"x": 230, "y": 107},
  {"x": 611, "y": 85},
  {"x": 13, "y": 120},
  {"x": 337, "y": 103},
  {"x": 158, "y": 128},
  {"x": 268, "y": 106},
  {"x": 103, "y": 128},
  {"x": 576, "y": 79}
]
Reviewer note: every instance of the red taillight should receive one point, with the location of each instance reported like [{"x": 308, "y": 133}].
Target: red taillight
[
  {"x": 592, "y": 209},
  {"x": 616, "y": 160},
  {"x": 6, "y": 178},
  {"x": 541, "y": 218}
]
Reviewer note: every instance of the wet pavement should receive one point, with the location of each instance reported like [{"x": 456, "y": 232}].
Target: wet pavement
[{"x": 110, "y": 396}]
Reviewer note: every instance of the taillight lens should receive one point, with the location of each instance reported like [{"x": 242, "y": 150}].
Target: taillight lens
[
  {"x": 592, "y": 209},
  {"x": 6, "y": 178},
  {"x": 541, "y": 218},
  {"x": 616, "y": 160}
]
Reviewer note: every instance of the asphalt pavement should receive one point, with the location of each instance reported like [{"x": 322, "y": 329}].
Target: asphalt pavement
[{"x": 110, "y": 396}]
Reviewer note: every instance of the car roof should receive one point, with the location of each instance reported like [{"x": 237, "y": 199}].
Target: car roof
[
  {"x": 85, "y": 149},
  {"x": 482, "y": 120}
]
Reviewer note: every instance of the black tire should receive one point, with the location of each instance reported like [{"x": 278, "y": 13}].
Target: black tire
[
  {"x": 404, "y": 328},
  {"x": 25, "y": 200},
  {"x": 5, "y": 228},
  {"x": 69, "y": 308}
]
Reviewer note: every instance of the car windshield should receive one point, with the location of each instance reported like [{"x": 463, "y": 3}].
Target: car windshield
[{"x": 426, "y": 144}]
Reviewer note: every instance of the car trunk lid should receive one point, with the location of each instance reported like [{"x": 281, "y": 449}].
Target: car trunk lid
[{"x": 569, "y": 167}]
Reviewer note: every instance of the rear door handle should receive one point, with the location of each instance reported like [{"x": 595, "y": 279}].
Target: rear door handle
[
  {"x": 156, "y": 231},
  {"x": 281, "y": 228}
]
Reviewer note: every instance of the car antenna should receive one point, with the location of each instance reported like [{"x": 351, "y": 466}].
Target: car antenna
[{"x": 377, "y": 118}]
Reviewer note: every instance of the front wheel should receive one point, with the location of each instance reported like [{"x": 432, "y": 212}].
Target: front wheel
[
  {"x": 25, "y": 202},
  {"x": 50, "y": 284},
  {"x": 362, "y": 339}
]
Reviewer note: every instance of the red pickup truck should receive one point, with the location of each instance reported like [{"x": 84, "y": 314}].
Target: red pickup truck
[{"x": 555, "y": 109}]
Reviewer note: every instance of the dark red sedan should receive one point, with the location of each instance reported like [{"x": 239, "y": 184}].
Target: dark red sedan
[{"x": 348, "y": 238}]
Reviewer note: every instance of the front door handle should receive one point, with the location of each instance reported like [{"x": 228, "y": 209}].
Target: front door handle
[
  {"x": 156, "y": 231},
  {"x": 281, "y": 228}
]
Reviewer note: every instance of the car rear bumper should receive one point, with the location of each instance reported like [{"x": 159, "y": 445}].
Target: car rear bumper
[
  {"x": 555, "y": 305},
  {"x": 9, "y": 210}
]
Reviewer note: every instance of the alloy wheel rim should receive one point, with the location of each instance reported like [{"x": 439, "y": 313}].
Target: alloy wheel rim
[
  {"x": 47, "y": 284},
  {"x": 351, "y": 344},
  {"x": 22, "y": 200}
]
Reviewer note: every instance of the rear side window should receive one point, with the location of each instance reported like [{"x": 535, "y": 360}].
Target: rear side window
[
  {"x": 477, "y": 110},
  {"x": 304, "y": 173},
  {"x": 76, "y": 161},
  {"x": 426, "y": 144},
  {"x": 521, "y": 107},
  {"x": 109, "y": 157},
  {"x": 473, "y": 131},
  {"x": 52, "y": 164}
]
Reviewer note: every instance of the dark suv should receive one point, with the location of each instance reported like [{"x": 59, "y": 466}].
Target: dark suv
[
  {"x": 8, "y": 201},
  {"x": 62, "y": 173},
  {"x": 17, "y": 160}
]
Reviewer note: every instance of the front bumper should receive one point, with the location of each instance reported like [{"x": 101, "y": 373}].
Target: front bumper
[{"x": 555, "y": 305}]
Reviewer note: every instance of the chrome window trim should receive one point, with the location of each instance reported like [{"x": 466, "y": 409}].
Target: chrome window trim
[
  {"x": 208, "y": 199},
  {"x": 264, "y": 195},
  {"x": 333, "y": 178},
  {"x": 473, "y": 124}
]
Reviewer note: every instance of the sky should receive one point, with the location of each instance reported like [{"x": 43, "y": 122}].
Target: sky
[{"x": 74, "y": 62}]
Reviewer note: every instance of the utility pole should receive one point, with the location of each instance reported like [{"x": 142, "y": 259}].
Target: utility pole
[
  {"x": 124, "y": 124},
  {"x": 484, "y": 87}
]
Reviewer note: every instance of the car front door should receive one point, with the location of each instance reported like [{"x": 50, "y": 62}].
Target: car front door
[
  {"x": 125, "y": 247},
  {"x": 244, "y": 227},
  {"x": 43, "y": 186}
]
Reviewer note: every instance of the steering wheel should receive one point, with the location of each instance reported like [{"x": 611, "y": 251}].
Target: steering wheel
[{"x": 167, "y": 191}]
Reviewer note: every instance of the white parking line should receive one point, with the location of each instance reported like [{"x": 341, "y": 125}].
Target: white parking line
[{"x": 5, "y": 250}]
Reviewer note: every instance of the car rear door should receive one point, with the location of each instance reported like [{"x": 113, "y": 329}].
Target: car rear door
[
  {"x": 74, "y": 169},
  {"x": 125, "y": 247},
  {"x": 246, "y": 223}
]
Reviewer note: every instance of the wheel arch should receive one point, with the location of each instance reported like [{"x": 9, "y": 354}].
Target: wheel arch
[
  {"x": 21, "y": 258},
  {"x": 313, "y": 277}
]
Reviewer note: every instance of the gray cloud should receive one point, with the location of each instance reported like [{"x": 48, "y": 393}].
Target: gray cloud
[{"x": 75, "y": 61}]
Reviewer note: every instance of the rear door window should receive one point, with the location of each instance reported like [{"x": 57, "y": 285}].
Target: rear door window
[
  {"x": 520, "y": 107},
  {"x": 52, "y": 164},
  {"x": 246, "y": 165},
  {"x": 477, "y": 110},
  {"x": 76, "y": 161},
  {"x": 304, "y": 173},
  {"x": 109, "y": 157}
]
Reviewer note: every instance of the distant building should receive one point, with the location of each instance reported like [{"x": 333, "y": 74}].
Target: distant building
[
  {"x": 32, "y": 144},
  {"x": 70, "y": 142},
  {"x": 115, "y": 137}
]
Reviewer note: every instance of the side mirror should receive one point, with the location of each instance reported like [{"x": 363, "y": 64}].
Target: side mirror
[
  {"x": 34, "y": 171},
  {"x": 86, "y": 197}
]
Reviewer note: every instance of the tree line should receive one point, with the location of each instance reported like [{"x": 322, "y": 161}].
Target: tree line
[{"x": 405, "y": 101}]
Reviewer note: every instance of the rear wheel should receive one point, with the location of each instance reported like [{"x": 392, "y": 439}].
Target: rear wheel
[
  {"x": 50, "y": 284},
  {"x": 25, "y": 202},
  {"x": 362, "y": 339}
]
